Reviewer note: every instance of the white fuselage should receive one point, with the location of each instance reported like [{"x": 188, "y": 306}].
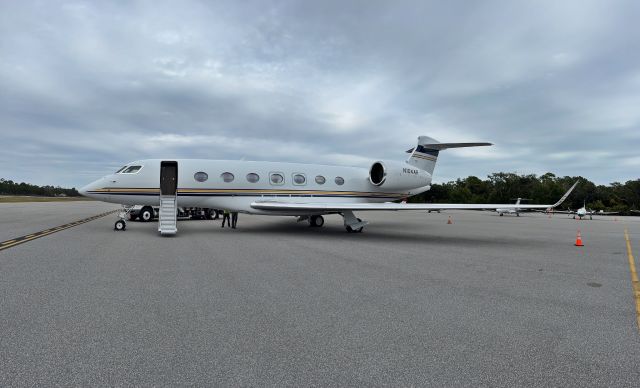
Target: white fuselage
[
  {"x": 582, "y": 212},
  {"x": 143, "y": 186},
  {"x": 507, "y": 211},
  {"x": 515, "y": 210}
]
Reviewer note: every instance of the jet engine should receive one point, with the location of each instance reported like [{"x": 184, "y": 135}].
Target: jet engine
[
  {"x": 377, "y": 173},
  {"x": 397, "y": 176}
]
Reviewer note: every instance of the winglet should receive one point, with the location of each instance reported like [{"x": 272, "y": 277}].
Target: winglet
[{"x": 566, "y": 194}]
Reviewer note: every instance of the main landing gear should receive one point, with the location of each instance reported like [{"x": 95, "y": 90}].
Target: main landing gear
[
  {"x": 352, "y": 230},
  {"x": 351, "y": 223}
]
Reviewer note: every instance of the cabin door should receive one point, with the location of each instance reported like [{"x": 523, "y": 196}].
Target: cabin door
[{"x": 168, "y": 178}]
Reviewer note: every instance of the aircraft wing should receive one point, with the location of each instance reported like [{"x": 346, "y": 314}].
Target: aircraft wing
[
  {"x": 329, "y": 207},
  {"x": 337, "y": 207}
]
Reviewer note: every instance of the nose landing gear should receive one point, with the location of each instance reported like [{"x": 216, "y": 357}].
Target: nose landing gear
[{"x": 121, "y": 224}]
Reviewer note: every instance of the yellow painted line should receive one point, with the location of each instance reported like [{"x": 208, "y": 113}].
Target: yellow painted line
[
  {"x": 21, "y": 240},
  {"x": 634, "y": 276}
]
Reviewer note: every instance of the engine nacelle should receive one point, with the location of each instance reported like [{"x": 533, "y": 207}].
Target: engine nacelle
[{"x": 398, "y": 176}]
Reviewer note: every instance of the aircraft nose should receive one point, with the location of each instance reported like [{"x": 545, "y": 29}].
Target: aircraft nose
[
  {"x": 86, "y": 190},
  {"x": 83, "y": 191}
]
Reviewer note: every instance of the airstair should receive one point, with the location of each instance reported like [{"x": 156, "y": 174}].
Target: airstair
[
  {"x": 167, "y": 223},
  {"x": 167, "y": 219}
]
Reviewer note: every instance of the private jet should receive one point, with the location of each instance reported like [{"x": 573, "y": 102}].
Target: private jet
[{"x": 306, "y": 191}]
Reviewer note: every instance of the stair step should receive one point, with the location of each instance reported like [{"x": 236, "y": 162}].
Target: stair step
[{"x": 168, "y": 215}]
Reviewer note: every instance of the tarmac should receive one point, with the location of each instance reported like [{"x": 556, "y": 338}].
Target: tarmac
[{"x": 412, "y": 301}]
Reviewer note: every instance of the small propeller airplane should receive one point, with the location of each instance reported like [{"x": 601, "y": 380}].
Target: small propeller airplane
[
  {"x": 515, "y": 210},
  {"x": 583, "y": 212},
  {"x": 307, "y": 191}
]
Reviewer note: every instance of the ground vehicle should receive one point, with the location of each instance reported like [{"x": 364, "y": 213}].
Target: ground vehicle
[{"x": 148, "y": 213}]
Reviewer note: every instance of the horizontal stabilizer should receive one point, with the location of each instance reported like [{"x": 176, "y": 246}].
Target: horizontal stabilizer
[{"x": 444, "y": 146}]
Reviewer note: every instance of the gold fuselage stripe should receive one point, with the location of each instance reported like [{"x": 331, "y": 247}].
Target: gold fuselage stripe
[{"x": 249, "y": 191}]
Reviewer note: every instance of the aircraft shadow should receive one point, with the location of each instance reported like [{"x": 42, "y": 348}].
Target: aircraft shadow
[{"x": 375, "y": 234}]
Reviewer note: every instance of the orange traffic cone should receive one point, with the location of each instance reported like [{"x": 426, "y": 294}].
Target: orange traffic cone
[
  {"x": 449, "y": 222},
  {"x": 579, "y": 240}
]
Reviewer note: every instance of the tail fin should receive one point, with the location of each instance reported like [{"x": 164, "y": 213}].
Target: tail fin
[{"x": 425, "y": 154}]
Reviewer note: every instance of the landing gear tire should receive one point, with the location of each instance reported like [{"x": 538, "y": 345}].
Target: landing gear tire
[
  {"x": 501, "y": 214},
  {"x": 517, "y": 214},
  {"x": 146, "y": 214},
  {"x": 316, "y": 221},
  {"x": 120, "y": 225},
  {"x": 213, "y": 214}
]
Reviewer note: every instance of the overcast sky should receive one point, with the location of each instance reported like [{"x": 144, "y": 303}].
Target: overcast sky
[{"x": 87, "y": 86}]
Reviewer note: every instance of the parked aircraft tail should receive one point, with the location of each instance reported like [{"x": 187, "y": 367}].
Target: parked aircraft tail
[{"x": 425, "y": 154}]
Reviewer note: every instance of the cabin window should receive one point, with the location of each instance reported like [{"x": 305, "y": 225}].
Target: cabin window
[
  {"x": 253, "y": 177},
  {"x": 320, "y": 180},
  {"x": 339, "y": 181},
  {"x": 131, "y": 170},
  {"x": 120, "y": 170},
  {"x": 201, "y": 176},
  {"x": 299, "y": 179},
  {"x": 277, "y": 178},
  {"x": 227, "y": 177}
]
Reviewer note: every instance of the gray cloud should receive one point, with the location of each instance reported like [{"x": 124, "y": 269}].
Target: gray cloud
[{"x": 88, "y": 86}]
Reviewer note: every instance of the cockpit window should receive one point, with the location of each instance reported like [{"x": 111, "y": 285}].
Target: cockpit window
[
  {"x": 120, "y": 170},
  {"x": 132, "y": 169}
]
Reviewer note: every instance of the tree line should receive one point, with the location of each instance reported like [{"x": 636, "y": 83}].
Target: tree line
[
  {"x": 545, "y": 189},
  {"x": 9, "y": 187}
]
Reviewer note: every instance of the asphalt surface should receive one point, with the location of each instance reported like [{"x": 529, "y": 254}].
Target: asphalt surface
[
  {"x": 22, "y": 218},
  {"x": 412, "y": 301}
]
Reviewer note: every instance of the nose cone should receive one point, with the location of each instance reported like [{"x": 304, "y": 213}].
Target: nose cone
[
  {"x": 83, "y": 191},
  {"x": 87, "y": 191}
]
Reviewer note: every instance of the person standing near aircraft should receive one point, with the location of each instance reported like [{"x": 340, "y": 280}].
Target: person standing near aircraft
[
  {"x": 225, "y": 218},
  {"x": 234, "y": 219}
]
